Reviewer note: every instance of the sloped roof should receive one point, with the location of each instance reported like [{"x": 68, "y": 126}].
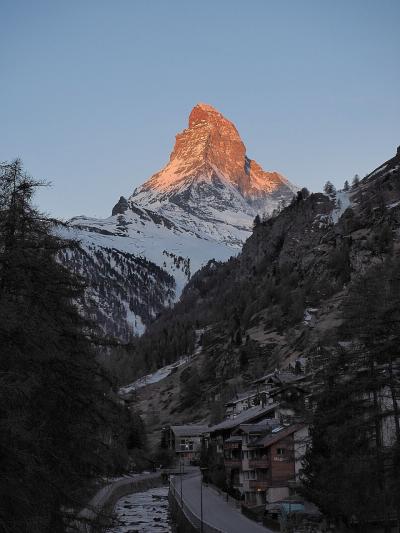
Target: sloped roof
[
  {"x": 268, "y": 440},
  {"x": 245, "y": 416},
  {"x": 288, "y": 386},
  {"x": 190, "y": 430},
  {"x": 235, "y": 438},
  {"x": 281, "y": 377},
  {"x": 241, "y": 396},
  {"x": 264, "y": 425}
]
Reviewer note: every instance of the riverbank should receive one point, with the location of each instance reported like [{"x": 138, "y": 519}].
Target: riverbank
[{"x": 98, "y": 512}]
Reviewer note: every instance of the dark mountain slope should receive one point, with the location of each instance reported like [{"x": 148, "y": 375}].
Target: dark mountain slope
[
  {"x": 124, "y": 292},
  {"x": 280, "y": 296}
]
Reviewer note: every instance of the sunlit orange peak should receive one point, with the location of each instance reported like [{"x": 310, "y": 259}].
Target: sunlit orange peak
[{"x": 210, "y": 146}]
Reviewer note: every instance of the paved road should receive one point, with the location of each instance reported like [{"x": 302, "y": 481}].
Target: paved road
[{"x": 216, "y": 511}]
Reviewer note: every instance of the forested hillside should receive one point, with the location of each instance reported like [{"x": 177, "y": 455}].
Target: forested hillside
[
  {"x": 124, "y": 292},
  {"x": 317, "y": 282},
  {"x": 284, "y": 291}
]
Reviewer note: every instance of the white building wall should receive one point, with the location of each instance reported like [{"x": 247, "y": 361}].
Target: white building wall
[{"x": 301, "y": 441}]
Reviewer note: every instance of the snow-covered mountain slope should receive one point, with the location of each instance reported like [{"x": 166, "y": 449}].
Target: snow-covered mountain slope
[
  {"x": 201, "y": 206},
  {"x": 135, "y": 265},
  {"x": 142, "y": 233}
]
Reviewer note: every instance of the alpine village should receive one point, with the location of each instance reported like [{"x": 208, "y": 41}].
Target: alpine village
[{"x": 224, "y": 349}]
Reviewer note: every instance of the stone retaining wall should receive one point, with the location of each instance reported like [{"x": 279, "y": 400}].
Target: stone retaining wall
[
  {"x": 97, "y": 515},
  {"x": 180, "y": 522}
]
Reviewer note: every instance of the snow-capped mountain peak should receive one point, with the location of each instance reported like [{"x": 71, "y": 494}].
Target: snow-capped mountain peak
[
  {"x": 200, "y": 206},
  {"x": 210, "y": 153}
]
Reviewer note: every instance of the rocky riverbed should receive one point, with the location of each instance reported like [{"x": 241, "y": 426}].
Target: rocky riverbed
[{"x": 143, "y": 512}]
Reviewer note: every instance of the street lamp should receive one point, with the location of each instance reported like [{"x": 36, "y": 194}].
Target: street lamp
[
  {"x": 180, "y": 476},
  {"x": 203, "y": 469},
  {"x": 186, "y": 449}
]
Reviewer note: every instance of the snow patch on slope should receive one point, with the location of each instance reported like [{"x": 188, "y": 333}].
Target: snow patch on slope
[
  {"x": 165, "y": 371},
  {"x": 343, "y": 201},
  {"x": 154, "y": 377}
]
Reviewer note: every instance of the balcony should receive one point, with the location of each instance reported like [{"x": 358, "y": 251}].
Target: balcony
[
  {"x": 233, "y": 463},
  {"x": 258, "y": 484},
  {"x": 258, "y": 463},
  {"x": 232, "y": 445}
]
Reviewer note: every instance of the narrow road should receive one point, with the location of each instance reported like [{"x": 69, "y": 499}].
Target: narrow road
[{"x": 216, "y": 511}]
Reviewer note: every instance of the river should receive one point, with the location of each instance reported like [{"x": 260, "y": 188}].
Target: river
[{"x": 143, "y": 512}]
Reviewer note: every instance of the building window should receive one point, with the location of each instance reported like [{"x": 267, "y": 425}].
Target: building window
[
  {"x": 280, "y": 451},
  {"x": 186, "y": 445}
]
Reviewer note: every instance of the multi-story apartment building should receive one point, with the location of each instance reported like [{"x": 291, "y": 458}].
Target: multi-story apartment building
[{"x": 263, "y": 460}]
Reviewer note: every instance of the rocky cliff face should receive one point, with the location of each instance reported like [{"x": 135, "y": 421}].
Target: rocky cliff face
[
  {"x": 210, "y": 186},
  {"x": 120, "y": 207},
  {"x": 201, "y": 206},
  {"x": 211, "y": 147}
]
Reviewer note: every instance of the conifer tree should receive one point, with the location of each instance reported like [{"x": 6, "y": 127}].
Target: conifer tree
[
  {"x": 329, "y": 188},
  {"x": 256, "y": 221},
  {"x": 352, "y": 469},
  {"x": 55, "y": 426}
]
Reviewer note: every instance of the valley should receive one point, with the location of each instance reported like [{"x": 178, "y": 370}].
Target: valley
[
  {"x": 269, "y": 368},
  {"x": 289, "y": 308},
  {"x": 200, "y": 267}
]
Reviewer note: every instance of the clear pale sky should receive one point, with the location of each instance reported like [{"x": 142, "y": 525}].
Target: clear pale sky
[{"x": 93, "y": 92}]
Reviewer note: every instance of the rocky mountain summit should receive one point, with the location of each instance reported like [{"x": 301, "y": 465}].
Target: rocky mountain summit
[
  {"x": 209, "y": 163},
  {"x": 200, "y": 206},
  {"x": 210, "y": 188}
]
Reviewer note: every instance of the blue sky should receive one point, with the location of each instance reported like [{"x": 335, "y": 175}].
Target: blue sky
[{"x": 93, "y": 92}]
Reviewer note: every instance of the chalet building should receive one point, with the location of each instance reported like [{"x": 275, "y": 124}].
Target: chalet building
[
  {"x": 245, "y": 400},
  {"x": 185, "y": 441},
  {"x": 263, "y": 460},
  {"x": 264, "y": 391},
  {"x": 290, "y": 393},
  {"x": 274, "y": 465},
  {"x": 276, "y": 379},
  {"x": 219, "y": 433},
  {"x": 261, "y": 444},
  {"x": 292, "y": 399},
  {"x": 237, "y": 452}
]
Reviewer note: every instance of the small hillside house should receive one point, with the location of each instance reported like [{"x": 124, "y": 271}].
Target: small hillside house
[{"x": 185, "y": 441}]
